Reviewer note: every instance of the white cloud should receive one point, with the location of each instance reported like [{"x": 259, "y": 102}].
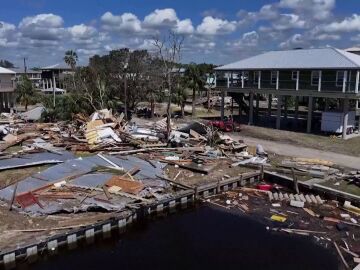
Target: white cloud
[
  {"x": 349, "y": 24},
  {"x": 215, "y": 26},
  {"x": 356, "y": 38},
  {"x": 82, "y": 32},
  {"x": 42, "y": 27},
  {"x": 294, "y": 41},
  {"x": 184, "y": 27},
  {"x": 288, "y": 21},
  {"x": 249, "y": 39},
  {"x": 327, "y": 37},
  {"x": 318, "y": 9},
  {"x": 161, "y": 18},
  {"x": 268, "y": 12},
  {"x": 127, "y": 22},
  {"x": 7, "y": 34},
  {"x": 147, "y": 44}
]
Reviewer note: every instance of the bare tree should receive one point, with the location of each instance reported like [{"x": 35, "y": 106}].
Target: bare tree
[{"x": 169, "y": 51}]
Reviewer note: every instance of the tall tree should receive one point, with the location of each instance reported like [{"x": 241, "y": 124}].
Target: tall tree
[
  {"x": 25, "y": 91},
  {"x": 195, "y": 82},
  {"x": 71, "y": 58},
  {"x": 6, "y": 64},
  {"x": 169, "y": 51}
]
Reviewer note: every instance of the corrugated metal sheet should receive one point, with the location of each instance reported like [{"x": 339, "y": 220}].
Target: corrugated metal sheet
[
  {"x": 79, "y": 166},
  {"x": 326, "y": 58}
]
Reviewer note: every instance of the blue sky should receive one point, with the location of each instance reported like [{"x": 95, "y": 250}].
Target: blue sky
[{"x": 214, "y": 31}]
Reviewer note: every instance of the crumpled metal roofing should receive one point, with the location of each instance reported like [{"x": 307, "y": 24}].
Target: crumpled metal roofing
[
  {"x": 80, "y": 167},
  {"x": 324, "y": 58},
  {"x": 32, "y": 158}
]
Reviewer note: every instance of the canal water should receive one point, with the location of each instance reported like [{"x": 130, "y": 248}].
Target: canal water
[{"x": 203, "y": 238}]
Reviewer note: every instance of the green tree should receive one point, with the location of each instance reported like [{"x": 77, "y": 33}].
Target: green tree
[
  {"x": 6, "y": 64},
  {"x": 25, "y": 93},
  {"x": 71, "y": 58},
  {"x": 180, "y": 94},
  {"x": 195, "y": 78}
]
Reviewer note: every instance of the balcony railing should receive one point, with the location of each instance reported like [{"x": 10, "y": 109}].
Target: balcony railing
[
  {"x": 326, "y": 86},
  {"x": 7, "y": 86}
]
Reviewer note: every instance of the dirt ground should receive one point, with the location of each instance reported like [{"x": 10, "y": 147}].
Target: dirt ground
[
  {"x": 324, "y": 143},
  {"x": 12, "y": 221},
  {"x": 220, "y": 171}
]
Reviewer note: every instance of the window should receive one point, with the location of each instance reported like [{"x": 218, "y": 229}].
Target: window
[
  {"x": 340, "y": 77},
  {"x": 315, "y": 77},
  {"x": 273, "y": 77},
  {"x": 294, "y": 75}
]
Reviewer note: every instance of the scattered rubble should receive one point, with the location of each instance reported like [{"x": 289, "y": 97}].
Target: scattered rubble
[{"x": 103, "y": 163}]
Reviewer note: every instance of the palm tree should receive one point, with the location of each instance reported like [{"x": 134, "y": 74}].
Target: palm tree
[
  {"x": 71, "y": 58},
  {"x": 195, "y": 82}
]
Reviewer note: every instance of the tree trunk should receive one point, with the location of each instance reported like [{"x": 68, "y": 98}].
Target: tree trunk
[
  {"x": 168, "y": 113},
  {"x": 26, "y": 105},
  {"x": 193, "y": 103},
  {"x": 208, "y": 99},
  {"x": 152, "y": 108},
  {"x": 182, "y": 109},
  {"x": 125, "y": 98}
]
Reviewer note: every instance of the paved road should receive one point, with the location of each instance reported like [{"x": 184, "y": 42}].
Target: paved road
[{"x": 298, "y": 151}]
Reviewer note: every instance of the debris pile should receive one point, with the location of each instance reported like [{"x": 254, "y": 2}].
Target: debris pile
[{"x": 329, "y": 223}]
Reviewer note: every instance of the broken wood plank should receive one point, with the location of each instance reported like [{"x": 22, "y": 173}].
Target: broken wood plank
[{"x": 340, "y": 254}]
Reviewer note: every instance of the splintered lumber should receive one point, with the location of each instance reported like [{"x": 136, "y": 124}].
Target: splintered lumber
[
  {"x": 303, "y": 231},
  {"x": 151, "y": 149},
  {"x": 126, "y": 185},
  {"x": 13, "y": 196},
  {"x": 109, "y": 161},
  {"x": 350, "y": 252},
  {"x": 107, "y": 194},
  {"x": 314, "y": 161},
  {"x": 20, "y": 139},
  {"x": 174, "y": 182},
  {"x": 191, "y": 168},
  {"x": 296, "y": 186},
  {"x": 340, "y": 254}
]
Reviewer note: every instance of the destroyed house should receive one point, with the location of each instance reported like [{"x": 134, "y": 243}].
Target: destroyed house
[
  {"x": 7, "y": 88},
  {"x": 306, "y": 75}
]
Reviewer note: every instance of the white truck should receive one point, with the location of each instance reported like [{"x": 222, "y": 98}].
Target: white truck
[{"x": 333, "y": 121}]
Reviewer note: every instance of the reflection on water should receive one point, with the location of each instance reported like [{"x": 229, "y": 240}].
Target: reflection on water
[{"x": 200, "y": 239}]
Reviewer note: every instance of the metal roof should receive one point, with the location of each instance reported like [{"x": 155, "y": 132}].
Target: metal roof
[
  {"x": 6, "y": 71},
  {"x": 325, "y": 58},
  {"x": 56, "y": 67},
  {"x": 21, "y": 70}
]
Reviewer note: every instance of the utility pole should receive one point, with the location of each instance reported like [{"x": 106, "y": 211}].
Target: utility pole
[
  {"x": 53, "y": 78},
  {"x": 125, "y": 88},
  {"x": 25, "y": 67}
]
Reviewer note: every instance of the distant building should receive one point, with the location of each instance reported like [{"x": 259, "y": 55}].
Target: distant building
[
  {"x": 7, "y": 88},
  {"x": 328, "y": 74},
  {"x": 53, "y": 76},
  {"x": 33, "y": 75}
]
